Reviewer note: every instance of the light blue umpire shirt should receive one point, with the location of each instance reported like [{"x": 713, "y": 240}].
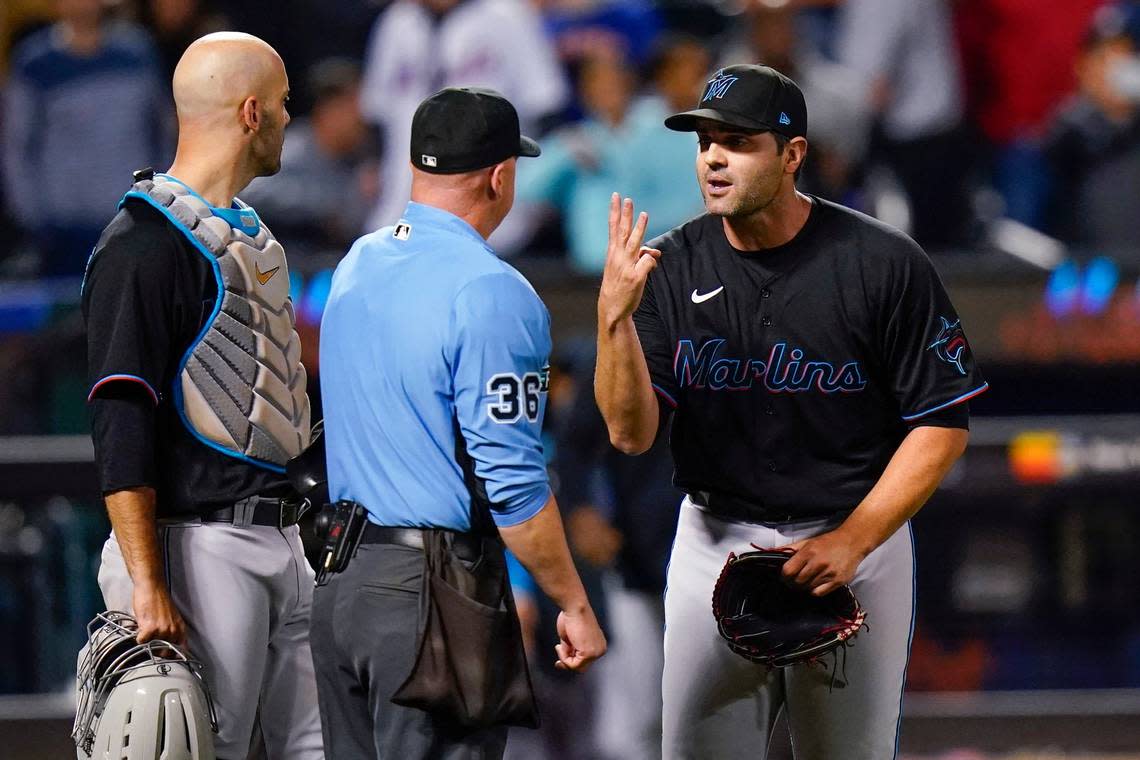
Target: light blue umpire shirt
[{"x": 434, "y": 357}]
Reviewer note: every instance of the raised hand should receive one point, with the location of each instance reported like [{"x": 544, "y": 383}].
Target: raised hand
[{"x": 628, "y": 263}]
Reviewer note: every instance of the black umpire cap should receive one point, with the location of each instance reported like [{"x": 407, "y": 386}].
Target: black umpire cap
[
  {"x": 461, "y": 129},
  {"x": 749, "y": 96}
]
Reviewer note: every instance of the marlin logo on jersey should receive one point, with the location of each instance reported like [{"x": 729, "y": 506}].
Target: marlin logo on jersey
[
  {"x": 950, "y": 344},
  {"x": 718, "y": 86},
  {"x": 784, "y": 371}
]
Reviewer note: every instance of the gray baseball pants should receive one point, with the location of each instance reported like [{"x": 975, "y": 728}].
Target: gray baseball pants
[
  {"x": 246, "y": 595},
  {"x": 717, "y": 704}
]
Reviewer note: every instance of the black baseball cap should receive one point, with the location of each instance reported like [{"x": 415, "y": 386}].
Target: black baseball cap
[
  {"x": 461, "y": 129},
  {"x": 749, "y": 96}
]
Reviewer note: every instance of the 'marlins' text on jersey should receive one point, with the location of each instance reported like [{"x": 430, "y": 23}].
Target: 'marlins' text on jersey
[
  {"x": 783, "y": 371},
  {"x": 791, "y": 375}
]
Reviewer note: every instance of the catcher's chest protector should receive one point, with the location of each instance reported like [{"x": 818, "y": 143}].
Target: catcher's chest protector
[{"x": 241, "y": 385}]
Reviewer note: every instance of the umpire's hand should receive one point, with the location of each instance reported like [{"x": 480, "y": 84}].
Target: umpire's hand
[
  {"x": 581, "y": 640},
  {"x": 628, "y": 263}
]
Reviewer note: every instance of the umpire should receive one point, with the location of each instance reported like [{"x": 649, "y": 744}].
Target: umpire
[{"x": 434, "y": 371}]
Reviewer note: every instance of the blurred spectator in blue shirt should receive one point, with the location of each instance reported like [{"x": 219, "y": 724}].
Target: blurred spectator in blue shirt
[
  {"x": 85, "y": 106},
  {"x": 579, "y": 27},
  {"x": 320, "y": 199},
  {"x": 17, "y": 17},
  {"x": 621, "y": 146}
]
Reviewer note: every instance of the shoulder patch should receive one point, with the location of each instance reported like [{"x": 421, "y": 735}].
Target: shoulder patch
[{"x": 950, "y": 344}]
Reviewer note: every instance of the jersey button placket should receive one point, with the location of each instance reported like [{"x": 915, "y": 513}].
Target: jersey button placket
[{"x": 766, "y": 321}]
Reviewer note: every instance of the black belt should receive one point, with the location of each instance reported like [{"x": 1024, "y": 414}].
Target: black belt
[
  {"x": 259, "y": 510},
  {"x": 467, "y": 546},
  {"x": 740, "y": 510}
]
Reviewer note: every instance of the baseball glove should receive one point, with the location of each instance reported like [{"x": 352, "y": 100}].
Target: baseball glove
[{"x": 769, "y": 622}]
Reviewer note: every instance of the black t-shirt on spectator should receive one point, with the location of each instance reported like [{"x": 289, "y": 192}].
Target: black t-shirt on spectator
[
  {"x": 794, "y": 373},
  {"x": 147, "y": 295}
]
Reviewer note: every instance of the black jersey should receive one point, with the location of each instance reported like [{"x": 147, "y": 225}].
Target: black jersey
[
  {"x": 147, "y": 294},
  {"x": 794, "y": 373}
]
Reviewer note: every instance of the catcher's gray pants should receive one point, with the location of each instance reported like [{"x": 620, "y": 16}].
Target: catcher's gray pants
[
  {"x": 717, "y": 704},
  {"x": 245, "y": 594}
]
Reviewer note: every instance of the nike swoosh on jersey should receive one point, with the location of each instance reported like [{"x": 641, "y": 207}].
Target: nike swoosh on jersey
[
  {"x": 264, "y": 277},
  {"x": 702, "y": 297}
]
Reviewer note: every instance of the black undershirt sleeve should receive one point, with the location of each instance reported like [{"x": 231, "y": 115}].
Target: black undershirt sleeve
[
  {"x": 123, "y": 430},
  {"x": 129, "y": 304}
]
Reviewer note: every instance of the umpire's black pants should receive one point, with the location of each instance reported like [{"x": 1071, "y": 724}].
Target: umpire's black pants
[{"x": 364, "y": 631}]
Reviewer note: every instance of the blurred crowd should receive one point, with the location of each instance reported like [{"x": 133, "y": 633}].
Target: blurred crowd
[{"x": 939, "y": 116}]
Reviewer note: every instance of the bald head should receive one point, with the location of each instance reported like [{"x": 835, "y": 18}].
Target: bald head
[
  {"x": 220, "y": 71},
  {"x": 230, "y": 90}
]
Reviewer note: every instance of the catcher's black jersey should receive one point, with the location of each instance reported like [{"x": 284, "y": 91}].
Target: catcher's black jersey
[
  {"x": 793, "y": 373},
  {"x": 146, "y": 296}
]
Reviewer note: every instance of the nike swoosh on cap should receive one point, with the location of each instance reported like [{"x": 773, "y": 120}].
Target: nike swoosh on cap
[{"x": 702, "y": 297}]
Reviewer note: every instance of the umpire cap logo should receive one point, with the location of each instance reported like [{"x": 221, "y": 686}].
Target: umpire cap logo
[
  {"x": 718, "y": 86},
  {"x": 950, "y": 344}
]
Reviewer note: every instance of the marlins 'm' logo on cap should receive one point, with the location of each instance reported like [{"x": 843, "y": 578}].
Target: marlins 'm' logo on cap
[
  {"x": 750, "y": 97},
  {"x": 718, "y": 86}
]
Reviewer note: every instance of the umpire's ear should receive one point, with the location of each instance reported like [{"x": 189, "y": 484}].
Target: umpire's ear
[{"x": 502, "y": 185}]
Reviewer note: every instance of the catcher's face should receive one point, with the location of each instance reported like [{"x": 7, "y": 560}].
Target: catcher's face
[
  {"x": 274, "y": 117},
  {"x": 741, "y": 172}
]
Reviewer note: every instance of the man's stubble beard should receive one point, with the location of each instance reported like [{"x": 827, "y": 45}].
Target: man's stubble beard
[
  {"x": 268, "y": 164},
  {"x": 268, "y": 157},
  {"x": 749, "y": 202}
]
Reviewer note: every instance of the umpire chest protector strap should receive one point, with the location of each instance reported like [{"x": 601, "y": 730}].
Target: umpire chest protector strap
[{"x": 240, "y": 387}]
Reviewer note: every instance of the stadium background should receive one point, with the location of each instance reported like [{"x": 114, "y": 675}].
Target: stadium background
[{"x": 1004, "y": 134}]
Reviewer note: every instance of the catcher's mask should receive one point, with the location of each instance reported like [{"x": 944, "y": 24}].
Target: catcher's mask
[{"x": 139, "y": 701}]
